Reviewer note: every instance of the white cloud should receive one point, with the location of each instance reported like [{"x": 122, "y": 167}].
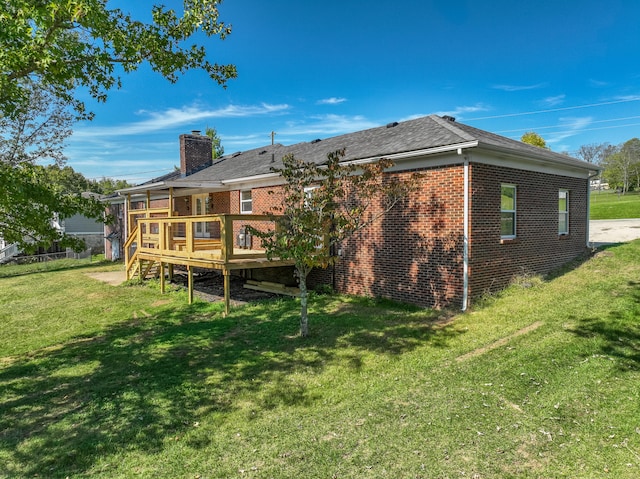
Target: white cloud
[
  {"x": 331, "y": 101},
  {"x": 624, "y": 98},
  {"x": 553, "y": 100},
  {"x": 511, "y": 88},
  {"x": 461, "y": 110},
  {"x": 325, "y": 125},
  {"x": 175, "y": 117},
  {"x": 597, "y": 83},
  {"x": 571, "y": 126}
]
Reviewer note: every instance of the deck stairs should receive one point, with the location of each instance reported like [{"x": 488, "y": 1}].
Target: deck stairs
[{"x": 143, "y": 269}]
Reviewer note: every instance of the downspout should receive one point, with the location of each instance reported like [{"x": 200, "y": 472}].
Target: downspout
[
  {"x": 465, "y": 236},
  {"x": 589, "y": 205}
]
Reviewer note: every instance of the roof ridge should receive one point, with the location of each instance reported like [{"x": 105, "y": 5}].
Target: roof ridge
[{"x": 452, "y": 127}]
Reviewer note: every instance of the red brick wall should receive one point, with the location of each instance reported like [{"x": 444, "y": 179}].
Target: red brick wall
[
  {"x": 221, "y": 202},
  {"x": 537, "y": 248},
  {"x": 413, "y": 253}
]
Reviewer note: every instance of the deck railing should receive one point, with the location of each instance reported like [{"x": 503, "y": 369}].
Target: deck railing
[{"x": 220, "y": 238}]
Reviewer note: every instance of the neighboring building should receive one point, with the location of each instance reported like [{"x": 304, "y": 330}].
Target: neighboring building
[
  {"x": 488, "y": 208},
  {"x": 88, "y": 229}
]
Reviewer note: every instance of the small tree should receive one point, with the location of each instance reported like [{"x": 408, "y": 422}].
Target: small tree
[
  {"x": 532, "y": 138},
  {"x": 323, "y": 205},
  {"x": 216, "y": 143}
]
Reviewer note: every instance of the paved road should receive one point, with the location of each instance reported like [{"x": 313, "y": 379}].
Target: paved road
[{"x": 613, "y": 231}]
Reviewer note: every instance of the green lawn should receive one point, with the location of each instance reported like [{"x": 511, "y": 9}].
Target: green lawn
[
  {"x": 111, "y": 382},
  {"x": 608, "y": 205}
]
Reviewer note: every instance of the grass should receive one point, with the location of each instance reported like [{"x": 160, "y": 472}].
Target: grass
[
  {"x": 540, "y": 381},
  {"x": 607, "y": 204}
]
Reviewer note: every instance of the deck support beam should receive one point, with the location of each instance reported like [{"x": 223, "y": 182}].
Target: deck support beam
[
  {"x": 190, "y": 283},
  {"x": 227, "y": 291},
  {"x": 162, "y": 280}
]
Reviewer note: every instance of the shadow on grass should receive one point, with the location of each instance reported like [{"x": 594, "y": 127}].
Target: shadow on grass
[
  {"x": 619, "y": 332},
  {"x": 146, "y": 381},
  {"x": 12, "y": 271}
]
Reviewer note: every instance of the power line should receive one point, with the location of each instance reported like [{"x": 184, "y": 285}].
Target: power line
[
  {"x": 508, "y": 115},
  {"x": 562, "y": 126},
  {"x": 130, "y": 174}
]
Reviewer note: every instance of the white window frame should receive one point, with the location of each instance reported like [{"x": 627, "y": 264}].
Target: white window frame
[
  {"x": 246, "y": 205},
  {"x": 201, "y": 205},
  {"x": 510, "y": 212},
  {"x": 563, "y": 213}
]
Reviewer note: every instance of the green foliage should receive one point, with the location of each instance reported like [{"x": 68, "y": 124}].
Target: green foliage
[
  {"x": 542, "y": 383},
  {"x": 216, "y": 142},
  {"x": 33, "y": 198},
  {"x": 31, "y": 206},
  {"x": 79, "y": 43},
  {"x": 532, "y": 138},
  {"x": 622, "y": 167},
  {"x": 323, "y": 205}
]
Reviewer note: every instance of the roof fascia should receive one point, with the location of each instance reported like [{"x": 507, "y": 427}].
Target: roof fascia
[
  {"x": 143, "y": 188},
  {"x": 561, "y": 164},
  {"x": 252, "y": 179},
  {"x": 509, "y": 159},
  {"x": 457, "y": 147}
]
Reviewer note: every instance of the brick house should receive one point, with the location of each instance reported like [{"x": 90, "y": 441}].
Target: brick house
[{"x": 488, "y": 208}]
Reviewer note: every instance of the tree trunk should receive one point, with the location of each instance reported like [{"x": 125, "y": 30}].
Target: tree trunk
[
  {"x": 304, "y": 296},
  {"x": 302, "y": 273}
]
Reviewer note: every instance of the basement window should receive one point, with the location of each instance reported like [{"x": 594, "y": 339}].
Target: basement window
[
  {"x": 563, "y": 212},
  {"x": 507, "y": 211},
  {"x": 246, "y": 206}
]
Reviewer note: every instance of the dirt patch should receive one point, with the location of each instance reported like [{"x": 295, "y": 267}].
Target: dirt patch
[
  {"x": 500, "y": 342},
  {"x": 114, "y": 278}
]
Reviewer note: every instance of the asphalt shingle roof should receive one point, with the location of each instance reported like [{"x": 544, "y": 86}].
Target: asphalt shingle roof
[{"x": 407, "y": 136}]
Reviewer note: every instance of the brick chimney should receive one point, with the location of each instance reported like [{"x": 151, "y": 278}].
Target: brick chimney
[{"x": 195, "y": 152}]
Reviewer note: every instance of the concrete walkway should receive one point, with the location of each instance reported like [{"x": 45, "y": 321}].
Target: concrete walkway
[{"x": 603, "y": 232}]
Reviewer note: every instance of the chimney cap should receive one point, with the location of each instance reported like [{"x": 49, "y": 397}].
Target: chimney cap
[{"x": 195, "y": 132}]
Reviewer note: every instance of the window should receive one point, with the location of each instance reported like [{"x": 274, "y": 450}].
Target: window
[
  {"x": 245, "y": 201},
  {"x": 508, "y": 211},
  {"x": 563, "y": 212}
]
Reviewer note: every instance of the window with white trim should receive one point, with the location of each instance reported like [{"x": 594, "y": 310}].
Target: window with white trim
[
  {"x": 507, "y": 211},
  {"x": 563, "y": 212},
  {"x": 246, "y": 206}
]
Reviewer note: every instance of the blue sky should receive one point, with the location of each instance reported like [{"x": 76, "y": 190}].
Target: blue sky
[{"x": 568, "y": 70}]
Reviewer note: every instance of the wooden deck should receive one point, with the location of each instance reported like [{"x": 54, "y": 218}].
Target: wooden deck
[{"x": 208, "y": 241}]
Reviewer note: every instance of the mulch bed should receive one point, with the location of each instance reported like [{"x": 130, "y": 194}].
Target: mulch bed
[{"x": 209, "y": 285}]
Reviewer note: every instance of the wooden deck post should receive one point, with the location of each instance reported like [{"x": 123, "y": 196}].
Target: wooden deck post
[
  {"x": 162, "y": 285},
  {"x": 190, "y": 283},
  {"x": 227, "y": 291}
]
